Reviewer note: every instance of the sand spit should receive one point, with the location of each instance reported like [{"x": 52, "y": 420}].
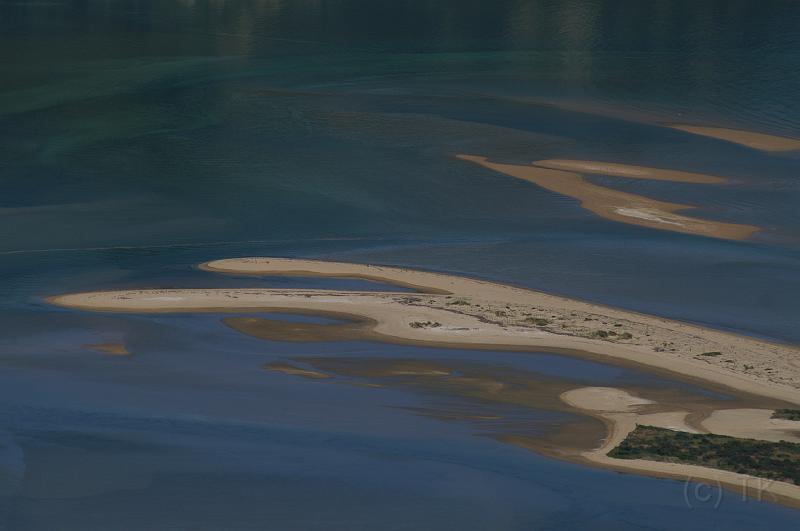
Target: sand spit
[
  {"x": 622, "y": 412},
  {"x": 628, "y": 171},
  {"x": 759, "y": 141},
  {"x": 481, "y": 314},
  {"x": 615, "y": 205}
]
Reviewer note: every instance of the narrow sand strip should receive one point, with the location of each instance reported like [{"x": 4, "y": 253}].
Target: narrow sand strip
[
  {"x": 615, "y": 205},
  {"x": 481, "y": 314},
  {"x": 760, "y": 141}
]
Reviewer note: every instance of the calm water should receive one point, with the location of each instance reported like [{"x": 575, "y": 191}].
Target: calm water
[{"x": 138, "y": 138}]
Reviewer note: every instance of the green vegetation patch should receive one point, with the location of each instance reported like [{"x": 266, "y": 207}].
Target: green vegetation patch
[
  {"x": 711, "y": 354},
  {"x": 424, "y": 324},
  {"x": 786, "y": 414},
  {"x": 772, "y": 460}
]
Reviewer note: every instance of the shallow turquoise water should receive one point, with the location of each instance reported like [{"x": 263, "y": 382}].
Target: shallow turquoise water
[{"x": 140, "y": 138}]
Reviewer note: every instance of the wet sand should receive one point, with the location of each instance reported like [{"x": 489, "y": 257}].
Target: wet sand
[{"x": 620, "y": 206}]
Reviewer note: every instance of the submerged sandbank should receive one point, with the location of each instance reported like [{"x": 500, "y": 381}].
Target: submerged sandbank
[{"x": 616, "y": 205}]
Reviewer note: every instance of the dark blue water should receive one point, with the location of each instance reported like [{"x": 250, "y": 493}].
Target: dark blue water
[{"x": 139, "y": 138}]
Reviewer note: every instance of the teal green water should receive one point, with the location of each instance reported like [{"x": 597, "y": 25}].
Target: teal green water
[{"x": 138, "y": 138}]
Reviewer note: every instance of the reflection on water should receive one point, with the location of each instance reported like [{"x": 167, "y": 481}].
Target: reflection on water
[{"x": 139, "y": 138}]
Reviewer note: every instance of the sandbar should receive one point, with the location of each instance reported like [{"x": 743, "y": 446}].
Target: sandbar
[{"x": 614, "y": 204}]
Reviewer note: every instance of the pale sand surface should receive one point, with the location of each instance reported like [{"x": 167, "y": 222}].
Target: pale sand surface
[
  {"x": 485, "y": 315},
  {"x": 112, "y": 349},
  {"x": 760, "y": 141},
  {"x": 624, "y": 420},
  {"x": 616, "y": 205},
  {"x": 628, "y": 171},
  {"x": 603, "y": 399},
  {"x": 752, "y": 424}
]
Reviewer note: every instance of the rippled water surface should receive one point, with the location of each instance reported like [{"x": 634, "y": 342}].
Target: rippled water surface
[{"x": 139, "y": 138}]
